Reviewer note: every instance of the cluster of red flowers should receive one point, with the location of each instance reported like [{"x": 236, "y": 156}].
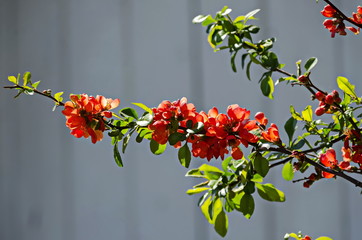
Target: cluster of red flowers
[
  {"x": 168, "y": 116},
  {"x": 220, "y": 133},
  {"x": 326, "y": 102},
  {"x": 86, "y": 115},
  {"x": 336, "y": 24}
]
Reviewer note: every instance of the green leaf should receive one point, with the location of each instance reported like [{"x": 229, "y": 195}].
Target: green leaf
[
  {"x": 196, "y": 190},
  {"x": 35, "y": 85},
  {"x": 251, "y": 14},
  {"x": 199, "y": 18},
  {"x": 247, "y": 205},
  {"x": 261, "y": 164},
  {"x": 117, "y": 155},
  {"x": 145, "y": 120},
  {"x": 208, "y": 168},
  {"x": 232, "y": 61},
  {"x": 205, "y": 209},
  {"x": 194, "y": 173},
  {"x": 225, "y": 163},
  {"x": 256, "y": 178},
  {"x": 58, "y": 97},
  {"x": 144, "y": 107},
  {"x": 270, "y": 193},
  {"x": 184, "y": 155},
  {"x": 293, "y": 235},
  {"x": 125, "y": 142},
  {"x": 290, "y": 126},
  {"x": 295, "y": 115},
  {"x": 221, "y": 224},
  {"x": 129, "y": 112},
  {"x": 248, "y": 70},
  {"x": 299, "y": 71},
  {"x": 267, "y": 86},
  {"x": 307, "y": 113},
  {"x": 346, "y": 87},
  {"x": 157, "y": 148},
  {"x": 13, "y": 79},
  {"x": 26, "y": 78},
  {"x": 324, "y": 238},
  {"x": 176, "y": 137},
  {"x": 311, "y": 62},
  {"x": 288, "y": 171}
]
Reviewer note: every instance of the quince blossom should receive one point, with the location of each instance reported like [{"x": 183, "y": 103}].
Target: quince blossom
[{"x": 85, "y": 115}]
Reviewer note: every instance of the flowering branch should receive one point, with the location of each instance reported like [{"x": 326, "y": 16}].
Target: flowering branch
[{"x": 342, "y": 15}]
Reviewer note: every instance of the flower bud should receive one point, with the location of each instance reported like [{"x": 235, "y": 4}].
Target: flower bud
[
  {"x": 320, "y": 111},
  {"x": 303, "y": 79},
  {"x": 320, "y": 96},
  {"x": 329, "y": 99}
]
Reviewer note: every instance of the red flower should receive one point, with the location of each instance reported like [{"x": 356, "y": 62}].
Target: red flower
[
  {"x": 329, "y": 11},
  {"x": 328, "y": 159},
  {"x": 261, "y": 119},
  {"x": 85, "y": 115},
  {"x": 335, "y": 26},
  {"x": 168, "y": 116},
  {"x": 272, "y": 134},
  {"x": 357, "y": 17}
]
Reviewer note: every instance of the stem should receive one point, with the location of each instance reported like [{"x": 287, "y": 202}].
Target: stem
[
  {"x": 281, "y": 162},
  {"x": 37, "y": 92},
  {"x": 342, "y": 15},
  {"x": 340, "y": 174},
  {"x": 325, "y": 145}
]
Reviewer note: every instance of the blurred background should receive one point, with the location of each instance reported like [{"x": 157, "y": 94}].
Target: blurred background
[{"x": 56, "y": 187}]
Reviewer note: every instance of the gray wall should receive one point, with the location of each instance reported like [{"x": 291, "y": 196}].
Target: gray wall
[{"x": 54, "y": 186}]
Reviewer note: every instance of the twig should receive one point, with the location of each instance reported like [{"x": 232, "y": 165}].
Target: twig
[
  {"x": 342, "y": 15},
  {"x": 37, "y": 92}
]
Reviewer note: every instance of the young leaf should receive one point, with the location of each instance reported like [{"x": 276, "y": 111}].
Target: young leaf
[
  {"x": 157, "y": 148},
  {"x": 196, "y": 190},
  {"x": 144, "y": 107},
  {"x": 307, "y": 113},
  {"x": 13, "y": 79},
  {"x": 35, "y": 85},
  {"x": 346, "y": 87},
  {"x": 295, "y": 115},
  {"x": 324, "y": 238},
  {"x": 184, "y": 155},
  {"x": 288, "y": 172},
  {"x": 58, "y": 97},
  {"x": 26, "y": 78},
  {"x": 311, "y": 62}
]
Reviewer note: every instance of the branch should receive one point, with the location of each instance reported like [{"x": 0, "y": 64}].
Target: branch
[
  {"x": 281, "y": 162},
  {"x": 342, "y": 15},
  {"x": 340, "y": 174},
  {"x": 37, "y": 92}
]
